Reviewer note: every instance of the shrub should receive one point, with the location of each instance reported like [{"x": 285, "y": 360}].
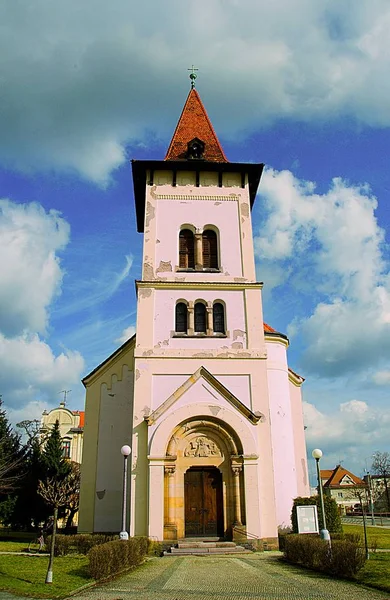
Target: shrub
[
  {"x": 343, "y": 558},
  {"x": 333, "y": 521},
  {"x": 116, "y": 556},
  {"x": 78, "y": 544}
]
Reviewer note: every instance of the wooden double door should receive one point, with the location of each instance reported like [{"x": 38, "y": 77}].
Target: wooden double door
[{"x": 203, "y": 501}]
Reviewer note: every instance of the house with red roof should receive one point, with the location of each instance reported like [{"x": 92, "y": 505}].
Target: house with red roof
[{"x": 342, "y": 485}]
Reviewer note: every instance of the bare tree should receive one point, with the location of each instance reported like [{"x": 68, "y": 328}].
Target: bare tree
[
  {"x": 55, "y": 493},
  {"x": 381, "y": 467},
  {"x": 361, "y": 494},
  {"x": 72, "y": 500},
  {"x": 9, "y": 474}
]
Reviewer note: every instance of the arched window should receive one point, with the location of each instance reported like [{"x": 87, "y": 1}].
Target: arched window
[
  {"x": 218, "y": 318},
  {"x": 210, "y": 249},
  {"x": 186, "y": 249},
  {"x": 181, "y": 318},
  {"x": 200, "y": 318}
]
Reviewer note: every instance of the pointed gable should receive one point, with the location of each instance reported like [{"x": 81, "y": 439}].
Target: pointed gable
[
  {"x": 341, "y": 477},
  {"x": 194, "y": 124}
]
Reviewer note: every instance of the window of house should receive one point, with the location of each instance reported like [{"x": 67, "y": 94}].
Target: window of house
[
  {"x": 200, "y": 317},
  {"x": 210, "y": 249},
  {"x": 66, "y": 448},
  {"x": 218, "y": 318},
  {"x": 186, "y": 249},
  {"x": 181, "y": 318}
]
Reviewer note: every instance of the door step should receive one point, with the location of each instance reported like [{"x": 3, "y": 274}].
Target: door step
[{"x": 206, "y": 549}]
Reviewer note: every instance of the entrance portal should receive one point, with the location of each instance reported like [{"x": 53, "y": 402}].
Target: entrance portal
[{"x": 203, "y": 502}]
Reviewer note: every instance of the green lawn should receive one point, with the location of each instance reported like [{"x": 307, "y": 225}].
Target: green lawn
[
  {"x": 376, "y": 535},
  {"x": 376, "y": 571},
  {"x": 13, "y": 546},
  {"x": 25, "y": 575}
]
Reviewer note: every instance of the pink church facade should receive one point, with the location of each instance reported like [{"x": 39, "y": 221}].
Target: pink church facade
[{"x": 203, "y": 393}]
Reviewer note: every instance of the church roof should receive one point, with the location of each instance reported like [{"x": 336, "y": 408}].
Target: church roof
[{"x": 195, "y": 123}]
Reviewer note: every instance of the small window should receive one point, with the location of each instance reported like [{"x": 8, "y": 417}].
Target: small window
[
  {"x": 200, "y": 317},
  {"x": 181, "y": 318},
  {"x": 218, "y": 318},
  {"x": 186, "y": 249},
  {"x": 210, "y": 251},
  {"x": 66, "y": 448}
]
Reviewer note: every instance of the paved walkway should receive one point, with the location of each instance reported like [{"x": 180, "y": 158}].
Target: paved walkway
[{"x": 260, "y": 576}]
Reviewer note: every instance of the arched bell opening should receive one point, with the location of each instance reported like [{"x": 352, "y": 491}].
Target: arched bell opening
[{"x": 203, "y": 488}]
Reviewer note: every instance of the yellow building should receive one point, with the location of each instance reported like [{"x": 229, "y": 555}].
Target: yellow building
[{"x": 71, "y": 424}]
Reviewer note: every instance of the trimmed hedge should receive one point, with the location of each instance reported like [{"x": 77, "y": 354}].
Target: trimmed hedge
[
  {"x": 78, "y": 544},
  {"x": 343, "y": 558},
  {"x": 116, "y": 556},
  {"x": 333, "y": 520}
]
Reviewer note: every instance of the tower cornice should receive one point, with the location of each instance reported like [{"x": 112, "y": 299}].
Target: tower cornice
[
  {"x": 143, "y": 175},
  {"x": 214, "y": 285}
]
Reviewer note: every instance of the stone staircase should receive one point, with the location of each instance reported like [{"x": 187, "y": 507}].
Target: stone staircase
[{"x": 205, "y": 548}]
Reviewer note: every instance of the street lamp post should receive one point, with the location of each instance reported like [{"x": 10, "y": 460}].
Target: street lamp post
[
  {"x": 125, "y": 451},
  {"x": 324, "y": 533}
]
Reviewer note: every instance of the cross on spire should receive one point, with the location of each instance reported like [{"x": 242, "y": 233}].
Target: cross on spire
[{"x": 193, "y": 75}]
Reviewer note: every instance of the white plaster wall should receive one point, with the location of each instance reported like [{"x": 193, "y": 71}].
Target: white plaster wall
[
  {"x": 164, "y": 318},
  {"x": 303, "y": 487},
  {"x": 223, "y": 214},
  {"x": 201, "y": 391},
  {"x": 115, "y": 427},
  {"x": 282, "y": 432}
]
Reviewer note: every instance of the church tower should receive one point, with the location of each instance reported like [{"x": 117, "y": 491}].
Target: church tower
[{"x": 203, "y": 393}]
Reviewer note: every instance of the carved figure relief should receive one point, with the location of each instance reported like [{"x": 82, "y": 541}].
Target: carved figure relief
[{"x": 202, "y": 447}]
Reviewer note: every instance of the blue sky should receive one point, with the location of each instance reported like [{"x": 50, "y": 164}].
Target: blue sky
[{"x": 298, "y": 85}]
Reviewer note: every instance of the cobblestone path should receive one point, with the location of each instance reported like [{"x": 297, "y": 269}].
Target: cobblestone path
[{"x": 260, "y": 576}]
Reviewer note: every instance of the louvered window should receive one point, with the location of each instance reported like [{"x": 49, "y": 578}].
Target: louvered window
[
  {"x": 186, "y": 249},
  {"x": 210, "y": 250},
  {"x": 200, "y": 317},
  {"x": 218, "y": 318},
  {"x": 181, "y": 318}
]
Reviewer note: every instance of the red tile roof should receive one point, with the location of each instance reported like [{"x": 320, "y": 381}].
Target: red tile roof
[
  {"x": 195, "y": 123},
  {"x": 269, "y": 329},
  {"x": 337, "y": 475}
]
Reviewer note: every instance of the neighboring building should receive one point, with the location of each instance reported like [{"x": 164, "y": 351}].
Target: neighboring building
[
  {"x": 203, "y": 393},
  {"x": 71, "y": 429},
  {"x": 342, "y": 485},
  {"x": 380, "y": 490}
]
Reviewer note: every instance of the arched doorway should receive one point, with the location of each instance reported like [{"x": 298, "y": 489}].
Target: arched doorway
[
  {"x": 203, "y": 502},
  {"x": 203, "y": 491}
]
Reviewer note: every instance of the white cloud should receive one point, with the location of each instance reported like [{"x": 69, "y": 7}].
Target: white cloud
[
  {"x": 31, "y": 372},
  {"x": 126, "y": 334},
  {"x": 30, "y": 271},
  {"x": 334, "y": 248},
  {"x": 99, "y": 75},
  {"x": 381, "y": 377},
  {"x": 348, "y": 434},
  {"x": 31, "y": 276}
]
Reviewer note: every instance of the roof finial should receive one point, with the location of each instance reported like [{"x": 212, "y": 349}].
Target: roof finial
[
  {"x": 193, "y": 76},
  {"x": 65, "y": 392}
]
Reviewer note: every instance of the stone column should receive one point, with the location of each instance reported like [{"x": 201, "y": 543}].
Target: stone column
[
  {"x": 237, "y": 498},
  {"x": 198, "y": 250},
  {"x": 191, "y": 318},
  {"x": 209, "y": 319},
  {"x": 170, "y": 471}
]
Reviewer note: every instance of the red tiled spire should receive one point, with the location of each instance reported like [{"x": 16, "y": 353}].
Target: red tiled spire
[{"x": 195, "y": 123}]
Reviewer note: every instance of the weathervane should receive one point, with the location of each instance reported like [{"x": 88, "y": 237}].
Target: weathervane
[{"x": 193, "y": 76}]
